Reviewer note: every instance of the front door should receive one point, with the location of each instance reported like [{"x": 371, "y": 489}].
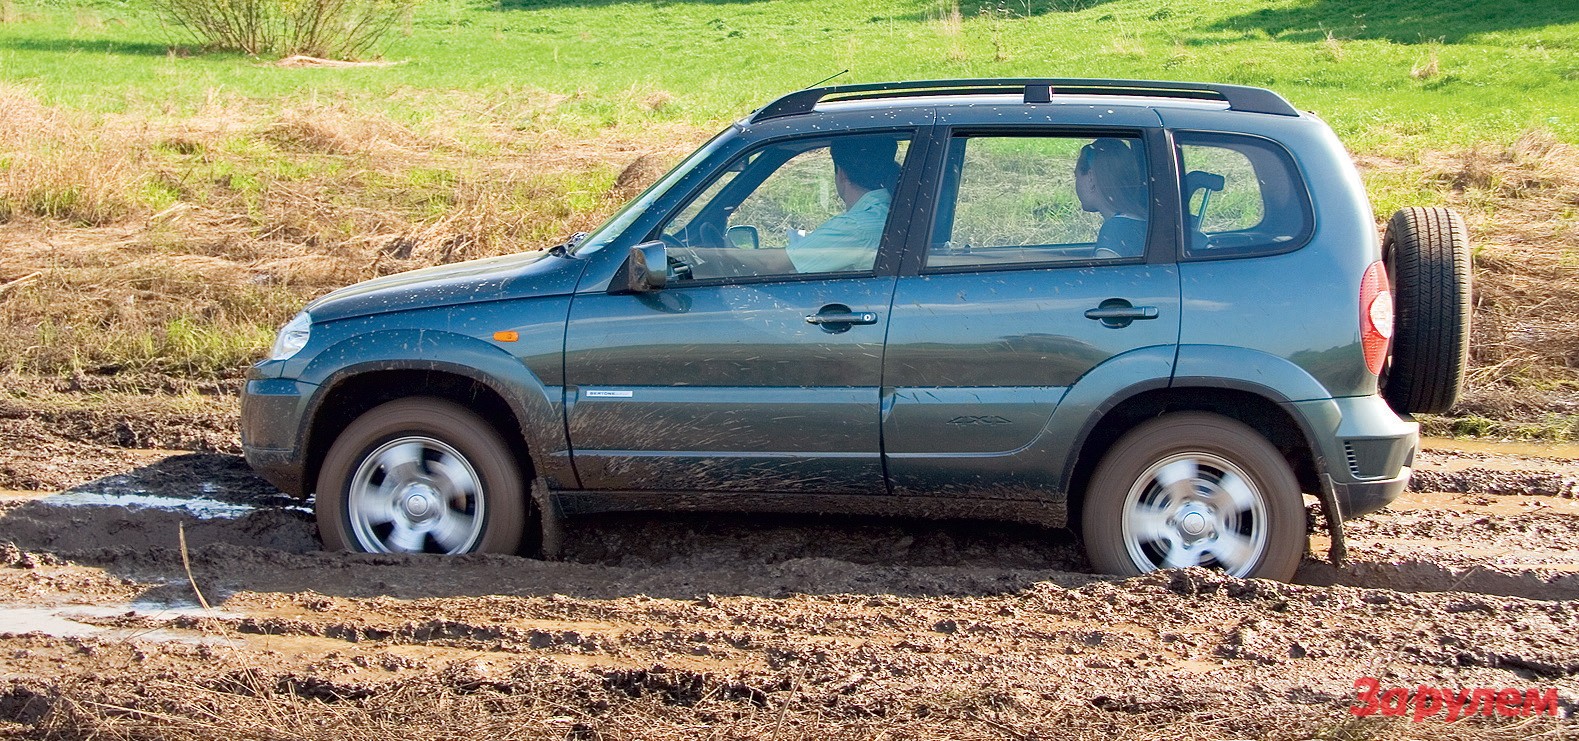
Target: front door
[{"x": 758, "y": 367}]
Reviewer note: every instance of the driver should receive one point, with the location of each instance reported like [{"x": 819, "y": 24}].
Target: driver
[{"x": 864, "y": 173}]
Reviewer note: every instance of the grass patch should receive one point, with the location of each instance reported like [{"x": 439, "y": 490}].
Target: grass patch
[
  {"x": 1434, "y": 76},
  {"x": 1548, "y": 428}
]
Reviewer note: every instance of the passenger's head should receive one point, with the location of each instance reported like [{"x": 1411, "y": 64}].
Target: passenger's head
[
  {"x": 1110, "y": 178},
  {"x": 865, "y": 162}
]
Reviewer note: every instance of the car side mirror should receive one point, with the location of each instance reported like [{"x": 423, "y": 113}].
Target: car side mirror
[
  {"x": 744, "y": 237},
  {"x": 646, "y": 269}
]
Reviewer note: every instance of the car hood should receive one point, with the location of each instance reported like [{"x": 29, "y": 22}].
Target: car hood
[{"x": 538, "y": 273}]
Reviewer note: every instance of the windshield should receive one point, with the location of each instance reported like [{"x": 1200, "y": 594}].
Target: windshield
[{"x": 621, "y": 220}]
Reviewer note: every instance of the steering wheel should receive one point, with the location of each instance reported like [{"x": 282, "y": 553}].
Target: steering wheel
[{"x": 678, "y": 269}]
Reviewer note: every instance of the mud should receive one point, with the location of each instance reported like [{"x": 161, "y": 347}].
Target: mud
[{"x": 680, "y": 626}]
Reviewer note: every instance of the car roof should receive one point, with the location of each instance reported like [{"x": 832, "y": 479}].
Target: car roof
[
  {"x": 941, "y": 101},
  {"x": 1026, "y": 91}
]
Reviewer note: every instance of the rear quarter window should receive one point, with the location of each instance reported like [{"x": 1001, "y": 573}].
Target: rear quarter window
[{"x": 1242, "y": 196}]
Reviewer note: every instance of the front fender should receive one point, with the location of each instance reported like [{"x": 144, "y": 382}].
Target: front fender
[{"x": 536, "y": 405}]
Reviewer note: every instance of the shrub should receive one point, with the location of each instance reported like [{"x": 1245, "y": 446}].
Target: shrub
[{"x": 331, "y": 29}]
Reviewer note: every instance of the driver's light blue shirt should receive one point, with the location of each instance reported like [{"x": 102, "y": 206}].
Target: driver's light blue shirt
[{"x": 845, "y": 242}]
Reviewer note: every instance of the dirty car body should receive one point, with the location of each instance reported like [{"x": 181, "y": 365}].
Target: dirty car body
[{"x": 673, "y": 359}]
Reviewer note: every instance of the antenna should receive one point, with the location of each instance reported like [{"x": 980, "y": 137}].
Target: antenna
[{"x": 825, "y": 79}]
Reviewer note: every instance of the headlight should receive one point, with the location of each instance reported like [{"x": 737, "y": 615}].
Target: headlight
[{"x": 292, "y": 337}]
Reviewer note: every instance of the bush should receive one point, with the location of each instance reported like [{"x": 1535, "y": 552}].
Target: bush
[{"x": 331, "y": 29}]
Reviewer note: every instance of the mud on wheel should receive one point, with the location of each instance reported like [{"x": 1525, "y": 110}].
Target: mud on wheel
[
  {"x": 1194, "y": 489},
  {"x": 420, "y": 475}
]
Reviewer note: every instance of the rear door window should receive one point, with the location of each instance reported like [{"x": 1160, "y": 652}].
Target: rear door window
[
  {"x": 1031, "y": 200},
  {"x": 1242, "y": 196}
]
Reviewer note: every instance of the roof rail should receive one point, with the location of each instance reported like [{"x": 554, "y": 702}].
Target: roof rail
[{"x": 1036, "y": 90}]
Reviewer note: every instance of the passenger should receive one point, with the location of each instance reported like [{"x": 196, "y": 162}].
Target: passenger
[
  {"x": 1110, "y": 179},
  {"x": 864, "y": 173}
]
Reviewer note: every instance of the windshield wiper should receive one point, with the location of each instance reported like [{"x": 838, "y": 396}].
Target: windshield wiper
[{"x": 563, "y": 248}]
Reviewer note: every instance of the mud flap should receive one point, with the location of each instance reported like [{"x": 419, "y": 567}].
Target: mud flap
[
  {"x": 550, "y": 519},
  {"x": 1337, "y": 552}
]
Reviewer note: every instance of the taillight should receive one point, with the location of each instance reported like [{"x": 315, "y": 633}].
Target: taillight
[{"x": 1376, "y": 316}]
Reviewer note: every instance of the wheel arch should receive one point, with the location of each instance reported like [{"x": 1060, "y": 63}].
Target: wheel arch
[
  {"x": 352, "y": 392},
  {"x": 1259, "y": 407}
]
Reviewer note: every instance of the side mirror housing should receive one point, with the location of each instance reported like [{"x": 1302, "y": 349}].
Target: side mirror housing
[
  {"x": 744, "y": 237},
  {"x": 646, "y": 269}
]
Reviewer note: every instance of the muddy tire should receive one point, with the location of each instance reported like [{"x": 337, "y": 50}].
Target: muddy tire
[
  {"x": 1194, "y": 489},
  {"x": 421, "y": 475},
  {"x": 1428, "y": 267}
]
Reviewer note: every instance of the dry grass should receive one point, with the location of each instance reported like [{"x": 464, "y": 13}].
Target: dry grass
[
  {"x": 176, "y": 246},
  {"x": 1521, "y": 202}
]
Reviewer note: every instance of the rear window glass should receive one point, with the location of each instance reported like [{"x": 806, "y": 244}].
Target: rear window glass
[{"x": 1242, "y": 196}]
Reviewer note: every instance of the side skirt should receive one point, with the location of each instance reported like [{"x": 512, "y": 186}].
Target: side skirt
[{"x": 1045, "y": 513}]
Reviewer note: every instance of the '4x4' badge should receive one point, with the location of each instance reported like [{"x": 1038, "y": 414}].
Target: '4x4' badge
[{"x": 987, "y": 420}]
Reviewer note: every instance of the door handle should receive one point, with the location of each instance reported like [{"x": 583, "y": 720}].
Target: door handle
[
  {"x": 837, "y": 318},
  {"x": 865, "y": 317},
  {"x": 1122, "y": 312},
  {"x": 1116, "y": 313}
]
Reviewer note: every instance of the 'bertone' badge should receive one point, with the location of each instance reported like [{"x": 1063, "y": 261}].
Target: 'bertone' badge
[{"x": 607, "y": 394}]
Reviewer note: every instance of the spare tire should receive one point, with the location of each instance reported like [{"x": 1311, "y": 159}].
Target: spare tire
[{"x": 1427, "y": 255}]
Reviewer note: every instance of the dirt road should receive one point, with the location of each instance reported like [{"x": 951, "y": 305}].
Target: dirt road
[{"x": 765, "y": 627}]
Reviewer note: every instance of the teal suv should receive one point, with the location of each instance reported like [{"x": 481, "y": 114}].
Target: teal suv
[{"x": 1159, "y": 313}]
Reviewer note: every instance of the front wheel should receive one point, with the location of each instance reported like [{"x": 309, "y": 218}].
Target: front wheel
[
  {"x": 420, "y": 475},
  {"x": 1194, "y": 489}
]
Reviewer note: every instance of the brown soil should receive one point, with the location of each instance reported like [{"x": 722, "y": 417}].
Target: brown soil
[{"x": 659, "y": 626}]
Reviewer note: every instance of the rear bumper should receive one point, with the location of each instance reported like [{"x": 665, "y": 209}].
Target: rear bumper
[
  {"x": 1359, "y": 498},
  {"x": 1362, "y": 449}
]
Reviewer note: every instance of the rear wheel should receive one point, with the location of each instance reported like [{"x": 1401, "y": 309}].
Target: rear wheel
[
  {"x": 420, "y": 476},
  {"x": 1194, "y": 489},
  {"x": 1428, "y": 265}
]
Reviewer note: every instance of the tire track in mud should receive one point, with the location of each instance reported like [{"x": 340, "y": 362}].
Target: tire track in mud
[{"x": 659, "y": 624}]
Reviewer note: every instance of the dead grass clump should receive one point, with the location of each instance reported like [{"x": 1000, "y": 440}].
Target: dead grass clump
[
  {"x": 333, "y": 131},
  {"x": 638, "y": 175},
  {"x": 1333, "y": 46},
  {"x": 58, "y": 166},
  {"x": 951, "y": 22},
  {"x": 1519, "y": 201},
  {"x": 1536, "y": 160},
  {"x": 657, "y": 100},
  {"x": 1426, "y": 70}
]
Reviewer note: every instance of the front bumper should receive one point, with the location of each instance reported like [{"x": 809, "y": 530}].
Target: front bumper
[{"x": 272, "y": 433}]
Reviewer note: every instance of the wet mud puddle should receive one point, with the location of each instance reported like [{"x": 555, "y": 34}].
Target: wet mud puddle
[{"x": 125, "y": 621}]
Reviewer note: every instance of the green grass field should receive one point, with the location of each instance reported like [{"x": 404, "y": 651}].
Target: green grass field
[{"x": 1402, "y": 74}]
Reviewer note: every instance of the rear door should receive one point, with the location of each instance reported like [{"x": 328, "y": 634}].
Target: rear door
[
  {"x": 756, "y": 368},
  {"x": 1050, "y": 252}
]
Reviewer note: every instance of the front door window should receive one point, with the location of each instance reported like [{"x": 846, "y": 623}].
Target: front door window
[{"x": 794, "y": 208}]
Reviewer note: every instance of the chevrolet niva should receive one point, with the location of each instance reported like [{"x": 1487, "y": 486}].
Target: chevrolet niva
[{"x": 1156, "y": 312}]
